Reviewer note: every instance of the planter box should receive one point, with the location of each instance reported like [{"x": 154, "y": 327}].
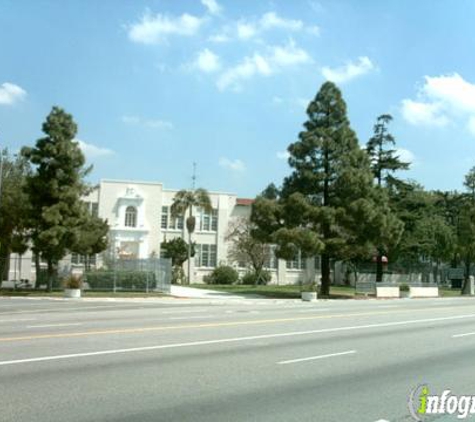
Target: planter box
[
  {"x": 387, "y": 291},
  {"x": 72, "y": 293},
  {"x": 404, "y": 294},
  {"x": 423, "y": 291},
  {"x": 309, "y": 296}
]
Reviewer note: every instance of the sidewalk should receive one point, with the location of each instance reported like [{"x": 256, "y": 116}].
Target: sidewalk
[{"x": 192, "y": 293}]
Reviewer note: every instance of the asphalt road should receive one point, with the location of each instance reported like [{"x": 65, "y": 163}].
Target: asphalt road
[{"x": 254, "y": 360}]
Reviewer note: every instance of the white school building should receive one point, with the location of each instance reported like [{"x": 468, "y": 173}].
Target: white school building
[{"x": 138, "y": 214}]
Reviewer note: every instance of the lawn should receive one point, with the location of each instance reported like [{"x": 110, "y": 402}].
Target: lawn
[{"x": 276, "y": 292}]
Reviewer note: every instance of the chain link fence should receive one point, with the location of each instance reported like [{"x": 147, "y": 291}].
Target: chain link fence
[{"x": 127, "y": 275}]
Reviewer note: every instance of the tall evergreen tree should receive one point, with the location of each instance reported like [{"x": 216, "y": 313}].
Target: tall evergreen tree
[
  {"x": 328, "y": 203},
  {"x": 55, "y": 189},
  {"x": 13, "y": 207},
  {"x": 384, "y": 162}
]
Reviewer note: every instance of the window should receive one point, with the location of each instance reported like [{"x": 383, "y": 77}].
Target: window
[
  {"x": 318, "y": 263},
  {"x": 93, "y": 208},
  {"x": 209, "y": 221},
  {"x": 271, "y": 260},
  {"x": 130, "y": 217},
  {"x": 164, "y": 220},
  {"x": 206, "y": 256},
  {"x": 167, "y": 222},
  {"x": 77, "y": 259},
  {"x": 298, "y": 263}
]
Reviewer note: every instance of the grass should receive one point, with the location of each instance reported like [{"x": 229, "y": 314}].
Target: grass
[
  {"x": 275, "y": 292},
  {"x": 84, "y": 293}
]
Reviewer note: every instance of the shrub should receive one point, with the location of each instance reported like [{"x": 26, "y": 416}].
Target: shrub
[
  {"x": 222, "y": 275},
  {"x": 124, "y": 280},
  {"x": 72, "y": 282},
  {"x": 251, "y": 278},
  {"x": 404, "y": 288}
]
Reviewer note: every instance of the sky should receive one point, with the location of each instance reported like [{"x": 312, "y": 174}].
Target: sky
[{"x": 157, "y": 85}]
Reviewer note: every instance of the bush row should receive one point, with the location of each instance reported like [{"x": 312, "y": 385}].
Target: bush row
[
  {"x": 228, "y": 275},
  {"x": 128, "y": 280}
]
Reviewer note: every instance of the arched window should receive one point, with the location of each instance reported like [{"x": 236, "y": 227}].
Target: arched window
[{"x": 130, "y": 217}]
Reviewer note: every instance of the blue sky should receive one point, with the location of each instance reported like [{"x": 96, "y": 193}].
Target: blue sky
[{"x": 157, "y": 85}]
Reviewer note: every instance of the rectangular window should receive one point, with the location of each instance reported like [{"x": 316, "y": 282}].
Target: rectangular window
[
  {"x": 77, "y": 259},
  {"x": 206, "y": 255},
  {"x": 168, "y": 222},
  {"x": 209, "y": 221},
  {"x": 164, "y": 219},
  {"x": 271, "y": 260},
  {"x": 95, "y": 209},
  {"x": 298, "y": 263}
]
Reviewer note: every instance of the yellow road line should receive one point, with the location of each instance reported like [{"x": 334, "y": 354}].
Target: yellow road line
[{"x": 207, "y": 325}]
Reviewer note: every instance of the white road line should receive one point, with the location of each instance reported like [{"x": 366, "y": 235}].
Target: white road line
[
  {"x": 314, "y": 310},
  {"x": 54, "y": 325},
  {"x": 18, "y": 320},
  {"x": 190, "y": 311},
  {"x": 387, "y": 306},
  {"x": 463, "y": 335},
  {"x": 286, "y": 362},
  {"x": 233, "y": 340},
  {"x": 191, "y": 317}
]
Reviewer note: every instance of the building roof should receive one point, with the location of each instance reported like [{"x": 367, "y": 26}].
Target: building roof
[{"x": 244, "y": 201}]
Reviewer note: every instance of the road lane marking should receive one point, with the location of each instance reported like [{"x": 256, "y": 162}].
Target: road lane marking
[
  {"x": 463, "y": 335},
  {"x": 185, "y": 311},
  {"x": 313, "y": 310},
  {"x": 54, "y": 325},
  {"x": 228, "y": 340},
  {"x": 235, "y": 323},
  {"x": 191, "y": 317},
  {"x": 18, "y": 319},
  {"x": 330, "y": 355}
]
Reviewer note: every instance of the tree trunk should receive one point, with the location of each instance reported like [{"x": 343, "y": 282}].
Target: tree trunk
[
  {"x": 379, "y": 267},
  {"x": 325, "y": 285},
  {"x": 468, "y": 261},
  {"x": 37, "y": 271},
  {"x": 50, "y": 276},
  {"x": 4, "y": 263},
  {"x": 190, "y": 230}
]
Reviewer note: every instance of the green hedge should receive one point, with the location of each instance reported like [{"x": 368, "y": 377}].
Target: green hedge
[
  {"x": 222, "y": 275},
  {"x": 126, "y": 280}
]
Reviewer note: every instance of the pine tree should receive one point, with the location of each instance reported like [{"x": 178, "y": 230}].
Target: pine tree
[
  {"x": 328, "y": 202},
  {"x": 384, "y": 162},
  {"x": 55, "y": 189}
]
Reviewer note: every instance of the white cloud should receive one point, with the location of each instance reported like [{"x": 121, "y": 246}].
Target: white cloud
[
  {"x": 219, "y": 38},
  {"x": 452, "y": 90},
  {"x": 442, "y": 99},
  {"x": 93, "y": 151},
  {"x": 150, "y": 123},
  {"x": 314, "y": 30},
  {"x": 212, "y": 5},
  {"x": 246, "y": 30},
  {"x": 349, "y": 71},
  {"x": 283, "y": 155},
  {"x": 271, "y": 20},
  {"x": 207, "y": 61},
  {"x": 405, "y": 155},
  {"x": 11, "y": 93},
  {"x": 154, "y": 29},
  {"x": 423, "y": 113},
  {"x": 289, "y": 55},
  {"x": 235, "y": 165},
  {"x": 276, "y": 59},
  {"x": 158, "y": 124}
]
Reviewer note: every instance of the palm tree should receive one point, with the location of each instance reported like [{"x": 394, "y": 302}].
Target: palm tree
[{"x": 184, "y": 201}]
